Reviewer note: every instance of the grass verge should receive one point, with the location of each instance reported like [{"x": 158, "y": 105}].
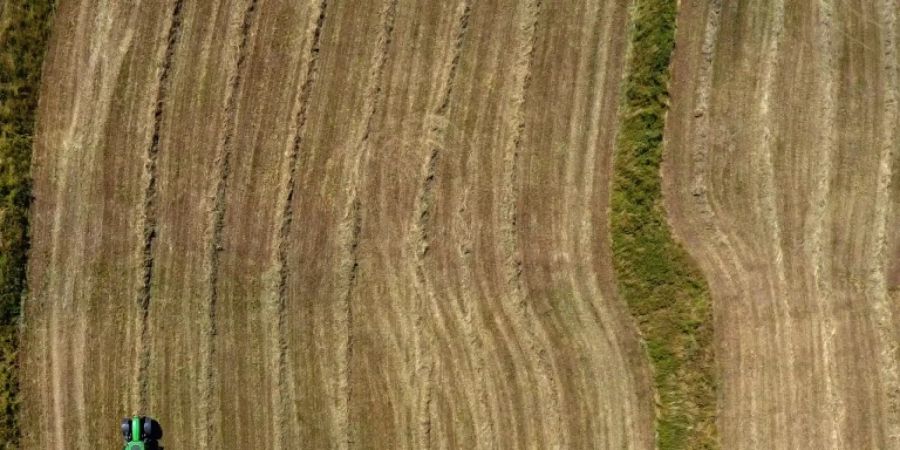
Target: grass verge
[
  {"x": 661, "y": 284},
  {"x": 24, "y": 28}
]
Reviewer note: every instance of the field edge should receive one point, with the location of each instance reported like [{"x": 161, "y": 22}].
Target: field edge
[{"x": 24, "y": 32}]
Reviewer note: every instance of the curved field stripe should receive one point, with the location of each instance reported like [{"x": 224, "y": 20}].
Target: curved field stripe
[
  {"x": 779, "y": 178},
  {"x": 665, "y": 291}
]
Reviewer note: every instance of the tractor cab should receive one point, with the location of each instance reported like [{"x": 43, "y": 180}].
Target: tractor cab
[{"x": 141, "y": 433}]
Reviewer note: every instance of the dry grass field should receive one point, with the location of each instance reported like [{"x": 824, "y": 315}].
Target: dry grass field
[
  {"x": 282, "y": 224},
  {"x": 781, "y": 178},
  {"x": 342, "y": 224}
]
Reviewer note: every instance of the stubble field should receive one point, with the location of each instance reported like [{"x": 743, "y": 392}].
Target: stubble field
[
  {"x": 344, "y": 224},
  {"x": 386, "y": 224}
]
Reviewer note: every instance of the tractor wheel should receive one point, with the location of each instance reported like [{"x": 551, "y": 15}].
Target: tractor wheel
[
  {"x": 156, "y": 431},
  {"x": 126, "y": 429},
  {"x": 146, "y": 428}
]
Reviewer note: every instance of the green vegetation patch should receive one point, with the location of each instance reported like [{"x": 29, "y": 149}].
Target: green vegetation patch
[
  {"x": 661, "y": 284},
  {"x": 24, "y": 28}
]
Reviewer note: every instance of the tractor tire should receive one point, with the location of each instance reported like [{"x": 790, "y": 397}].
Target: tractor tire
[
  {"x": 156, "y": 431},
  {"x": 146, "y": 428},
  {"x": 126, "y": 429}
]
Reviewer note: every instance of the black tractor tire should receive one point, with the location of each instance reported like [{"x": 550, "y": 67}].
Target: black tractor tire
[
  {"x": 146, "y": 428},
  {"x": 156, "y": 432},
  {"x": 126, "y": 429}
]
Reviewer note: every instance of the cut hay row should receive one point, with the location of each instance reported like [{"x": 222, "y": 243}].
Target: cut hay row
[{"x": 148, "y": 216}]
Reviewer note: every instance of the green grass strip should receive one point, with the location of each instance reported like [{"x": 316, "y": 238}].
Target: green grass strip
[
  {"x": 24, "y": 28},
  {"x": 660, "y": 282}
]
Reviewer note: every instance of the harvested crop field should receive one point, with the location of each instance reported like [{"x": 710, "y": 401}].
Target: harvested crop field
[
  {"x": 346, "y": 224},
  {"x": 419, "y": 224},
  {"x": 782, "y": 180}
]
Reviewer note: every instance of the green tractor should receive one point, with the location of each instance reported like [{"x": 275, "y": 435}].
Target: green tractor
[{"x": 141, "y": 433}]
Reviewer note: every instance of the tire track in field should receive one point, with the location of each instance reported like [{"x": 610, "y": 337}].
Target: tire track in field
[
  {"x": 351, "y": 226},
  {"x": 523, "y": 316},
  {"x": 148, "y": 217},
  {"x": 115, "y": 32},
  {"x": 221, "y": 171},
  {"x": 700, "y": 154},
  {"x": 825, "y": 31},
  {"x": 284, "y": 406},
  {"x": 53, "y": 430},
  {"x": 71, "y": 280},
  {"x": 423, "y": 292},
  {"x": 350, "y": 235},
  {"x": 436, "y": 137},
  {"x": 57, "y": 366},
  {"x": 878, "y": 289},
  {"x": 767, "y": 198}
]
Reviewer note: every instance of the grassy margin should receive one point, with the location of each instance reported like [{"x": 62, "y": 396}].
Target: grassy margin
[
  {"x": 24, "y": 30},
  {"x": 662, "y": 285}
]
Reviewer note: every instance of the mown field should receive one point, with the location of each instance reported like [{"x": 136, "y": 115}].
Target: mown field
[
  {"x": 460, "y": 224},
  {"x": 377, "y": 224},
  {"x": 781, "y": 179}
]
